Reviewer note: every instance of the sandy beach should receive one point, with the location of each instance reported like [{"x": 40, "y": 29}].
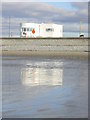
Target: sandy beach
[
  {"x": 67, "y": 54},
  {"x": 64, "y": 47}
]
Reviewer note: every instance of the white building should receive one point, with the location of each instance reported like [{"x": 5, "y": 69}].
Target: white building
[{"x": 41, "y": 30}]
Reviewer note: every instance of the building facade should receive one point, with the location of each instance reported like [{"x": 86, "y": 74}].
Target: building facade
[{"x": 34, "y": 30}]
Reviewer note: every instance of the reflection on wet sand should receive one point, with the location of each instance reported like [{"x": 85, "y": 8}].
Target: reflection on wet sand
[
  {"x": 44, "y": 88},
  {"x": 41, "y": 75}
]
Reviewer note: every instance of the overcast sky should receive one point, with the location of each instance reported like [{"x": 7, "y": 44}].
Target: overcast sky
[{"x": 68, "y": 14}]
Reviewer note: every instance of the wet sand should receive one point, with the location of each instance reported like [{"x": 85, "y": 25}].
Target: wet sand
[
  {"x": 66, "y": 54},
  {"x": 44, "y": 87}
]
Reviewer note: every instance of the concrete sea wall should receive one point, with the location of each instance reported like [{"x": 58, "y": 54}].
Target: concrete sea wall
[{"x": 44, "y": 46}]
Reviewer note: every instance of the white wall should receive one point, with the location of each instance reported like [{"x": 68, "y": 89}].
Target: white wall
[
  {"x": 43, "y": 31},
  {"x": 58, "y": 30},
  {"x": 40, "y": 30},
  {"x": 31, "y": 25}
]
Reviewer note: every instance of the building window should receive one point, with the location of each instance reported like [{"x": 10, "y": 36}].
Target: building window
[
  {"x": 24, "y": 29},
  {"x": 49, "y": 29},
  {"x": 27, "y": 29}
]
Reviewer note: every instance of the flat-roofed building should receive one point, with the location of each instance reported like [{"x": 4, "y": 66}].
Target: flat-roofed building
[{"x": 34, "y": 30}]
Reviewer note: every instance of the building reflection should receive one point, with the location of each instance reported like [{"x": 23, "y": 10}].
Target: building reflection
[{"x": 32, "y": 76}]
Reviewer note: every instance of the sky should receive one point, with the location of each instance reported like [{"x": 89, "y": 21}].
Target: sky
[{"x": 68, "y": 14}]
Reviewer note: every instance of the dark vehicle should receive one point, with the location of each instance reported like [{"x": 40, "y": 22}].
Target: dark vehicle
[{"x": 81, "y": 35}]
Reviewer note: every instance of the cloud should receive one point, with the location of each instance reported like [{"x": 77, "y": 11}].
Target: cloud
[
  {"x": 79, "y": 5},
  {"x": 43, "y": 11},
  {"x": 82, "y": 8},
  {"x": 46, "y": 1},
  {"x": 75, "y": 27},
  {"x": 20, "y": 1}
]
